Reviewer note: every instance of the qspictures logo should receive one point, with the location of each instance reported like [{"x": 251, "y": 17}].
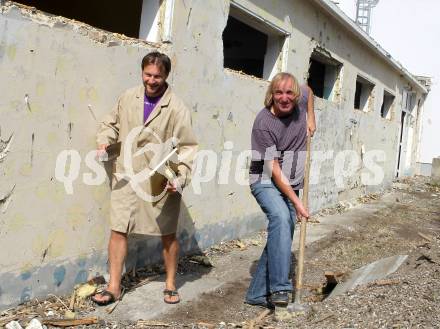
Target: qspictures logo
[{"x": 226, "y": 167}]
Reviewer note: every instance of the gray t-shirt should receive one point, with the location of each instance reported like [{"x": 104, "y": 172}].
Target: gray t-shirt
[{"x": 282, "y": 138}]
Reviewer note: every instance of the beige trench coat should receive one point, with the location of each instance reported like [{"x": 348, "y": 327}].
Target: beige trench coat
[{"x": 129, "y": 212}]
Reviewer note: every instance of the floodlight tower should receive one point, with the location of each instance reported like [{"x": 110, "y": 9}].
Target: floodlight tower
[{"x": 363, "y": 13}]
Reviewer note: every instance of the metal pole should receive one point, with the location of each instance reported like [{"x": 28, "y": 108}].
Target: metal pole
[{"x": 363, "y": 13}]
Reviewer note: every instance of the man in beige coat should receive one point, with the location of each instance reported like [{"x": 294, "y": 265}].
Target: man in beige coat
[{"x": 150, "y": 121}]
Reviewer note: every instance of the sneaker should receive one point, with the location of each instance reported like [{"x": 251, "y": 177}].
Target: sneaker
[
  {"x": 280, "y": 298},
  {"x": 266, "y": 304}
]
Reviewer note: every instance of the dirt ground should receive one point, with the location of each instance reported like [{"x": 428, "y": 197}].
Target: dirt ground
[
  {"x": 408, "y": 224},
  {"x": 411, "y": 300}
]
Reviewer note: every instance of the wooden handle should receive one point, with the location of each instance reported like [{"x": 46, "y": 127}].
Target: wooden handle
[
  {"x": 303, "y": 228},
  {"x": 307, "y": 173}
]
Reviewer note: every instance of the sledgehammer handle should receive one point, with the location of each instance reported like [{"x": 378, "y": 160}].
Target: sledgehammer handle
[
  {"x": 303, "y": 228},
  {"x": 307, "y": 174}
]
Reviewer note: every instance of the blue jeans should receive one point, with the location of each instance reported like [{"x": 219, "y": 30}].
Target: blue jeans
[{"x": 273, "y": 268}]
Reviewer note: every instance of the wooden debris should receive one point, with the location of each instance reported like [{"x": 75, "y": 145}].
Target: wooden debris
[
  {"x": 205, "y": 325},
  {"x": 72, "y": 300},
  {"x": 53, "y": 307},
  {"x": 385, "y": 282},
  {"x": 424, "y": 236},
  {"x": 253, "y": 323},
  {"x": 147, "y": 323},
  {"x": 59, "y": 299},
  {"x": 240, "y": 245},
  {"x": 70, "y": 323},
  {"x": 145, "y": 281},
  {"x": 255, "y": 242},
  {"x": 323, "y": 318},
  {"x": 428, "y": 258},
  {"x": 201, "y": 259},
  {"x": 7, "y": 319},
  {"x": 69, "y": 315},
  {"x": 40, "y": 312}
]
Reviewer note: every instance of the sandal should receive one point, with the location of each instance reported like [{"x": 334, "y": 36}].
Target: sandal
[
  {"x": 171, "y": 293},
  {"x": 105, "y": 302}
]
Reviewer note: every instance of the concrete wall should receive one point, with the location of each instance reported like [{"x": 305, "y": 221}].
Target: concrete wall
[
  {"x": 424, "y": 169},
  {"x": 55, "y": 72}
]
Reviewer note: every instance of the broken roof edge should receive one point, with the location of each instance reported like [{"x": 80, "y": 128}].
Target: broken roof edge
[
  {"x": 348, "y": 23},
  {"x": 101, "y": 36},
  {"x": 242, "y": 74},
  {"x": 425, "y": 81}
]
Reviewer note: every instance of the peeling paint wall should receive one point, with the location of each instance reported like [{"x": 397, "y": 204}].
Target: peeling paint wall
[{"x": 58, "y": 74}]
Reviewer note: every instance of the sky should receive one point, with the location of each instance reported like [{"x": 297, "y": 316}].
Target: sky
[{"x": 409, "y": 31}]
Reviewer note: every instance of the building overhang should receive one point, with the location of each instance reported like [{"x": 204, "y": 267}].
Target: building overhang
[{"x": 334, "y": 11}]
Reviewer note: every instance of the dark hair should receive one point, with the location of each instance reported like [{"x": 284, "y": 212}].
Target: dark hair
[{"x": 159, "y": 59}]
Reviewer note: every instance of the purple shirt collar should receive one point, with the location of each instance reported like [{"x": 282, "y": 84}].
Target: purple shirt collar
[{"x": 149, "y": 105}]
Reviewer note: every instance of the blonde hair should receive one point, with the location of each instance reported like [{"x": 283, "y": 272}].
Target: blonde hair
[{"x": 268, "y": 100}]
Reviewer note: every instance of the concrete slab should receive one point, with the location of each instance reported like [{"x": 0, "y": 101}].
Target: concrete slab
[
  {"x": 369, "y": 273},
  {"x": 401, "y": 186},
  {"x": 147, "y": 302},
  {"x": 435, "y": 171},
  {"x": 330, "y": 223}
]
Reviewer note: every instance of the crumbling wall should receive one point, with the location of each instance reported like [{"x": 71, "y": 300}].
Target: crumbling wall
[
  {"x": 416, "y": 125},
  {"x": 57, "y": 75}
]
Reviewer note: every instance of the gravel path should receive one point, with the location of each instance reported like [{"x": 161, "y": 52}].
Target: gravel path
[{"x": 408, "y": 224}]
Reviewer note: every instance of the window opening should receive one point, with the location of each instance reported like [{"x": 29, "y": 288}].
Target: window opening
[
  {"x": 388, "y": 100},
  {"x": 244, "y": 48},
  {"x": 149, "y": 29},
  {"x": 363, "y": 94},
  {"x": 324, "y": 73},
  {"x": 135, "y": 18},
  {"x": 252, "y": 46},
  {"x": 409, "y": 101}
]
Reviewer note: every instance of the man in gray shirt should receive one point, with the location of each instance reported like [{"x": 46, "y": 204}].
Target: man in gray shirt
[{"x": 278, "y": 141}]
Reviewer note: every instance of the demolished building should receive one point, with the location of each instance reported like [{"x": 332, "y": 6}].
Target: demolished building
[{"x": 63, "y": 67}]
